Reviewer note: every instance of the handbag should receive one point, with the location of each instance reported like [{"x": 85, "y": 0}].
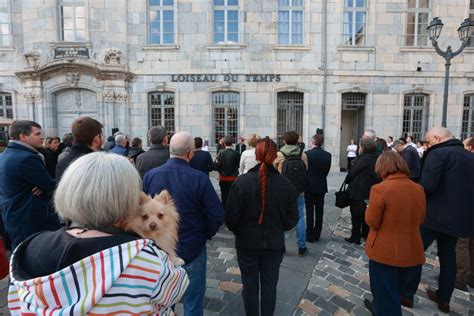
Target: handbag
[{"x": 342, "y": 196}]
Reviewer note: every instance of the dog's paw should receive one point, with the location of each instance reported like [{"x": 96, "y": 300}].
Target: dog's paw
[{"x": 178, "y": 261}]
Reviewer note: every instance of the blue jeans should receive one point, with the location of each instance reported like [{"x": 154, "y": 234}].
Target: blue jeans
[
  {"x": 447, "y": 260},
  {"x": 389, "y": 283},
  {"x": 193, "y": 301},
  {"x": 301, "y": 227}
]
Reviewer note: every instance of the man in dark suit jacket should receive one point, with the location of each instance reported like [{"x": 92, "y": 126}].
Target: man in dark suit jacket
[
  {"x": 319, "y": 163},
  {"x": 158, "y": 153},
  {"x": 201, "y": 160},
  {"x": 240, "y": 147},
  {"x": 26, "y": 187}
]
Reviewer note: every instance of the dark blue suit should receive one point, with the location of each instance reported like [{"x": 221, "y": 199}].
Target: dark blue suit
[
  {"x": 202, "y": 160},
  {"x": 21, "y": 169},
  {"x": 319, "y": 163}
]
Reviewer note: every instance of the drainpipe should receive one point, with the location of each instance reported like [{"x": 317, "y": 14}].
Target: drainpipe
[{"x": 324, "y": 62}]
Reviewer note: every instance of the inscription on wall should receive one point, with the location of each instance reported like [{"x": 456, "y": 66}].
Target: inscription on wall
[
  {"x": 71, "y": 52},
  {"x": 225, "y": 77}
]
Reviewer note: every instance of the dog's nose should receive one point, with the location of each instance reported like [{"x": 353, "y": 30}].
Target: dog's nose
[{"x": 153, "y": 226}]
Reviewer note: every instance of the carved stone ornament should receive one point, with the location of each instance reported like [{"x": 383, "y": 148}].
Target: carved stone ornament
[
  {"x": 113, "y": 57},
  {"x": 33, "y": 97},
  {"x": 115, "y": 96},
  {"x": 32, "y": 58},
  {"x": 73, "y": 78}
]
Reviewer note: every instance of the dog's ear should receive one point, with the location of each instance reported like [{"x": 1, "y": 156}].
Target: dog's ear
[
  {"x": 143, "y": 198},
  {"x": 163, "y": 197}
]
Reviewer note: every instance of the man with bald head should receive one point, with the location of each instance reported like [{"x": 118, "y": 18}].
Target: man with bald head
[
  {"x": 201, "y": 213},
  {"x": 448, "y": 179}
]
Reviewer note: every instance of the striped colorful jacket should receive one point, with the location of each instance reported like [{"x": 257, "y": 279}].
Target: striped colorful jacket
[{"x": 135, "y": 278}]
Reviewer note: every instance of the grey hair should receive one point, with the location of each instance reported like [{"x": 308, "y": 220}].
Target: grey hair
[
  {"x": 181, "y": 143},
  {"x": 121, "y": 140},
  {"x": 156, "y": 135},
  {"x": 370, "y": 133},
  {"x": 97, "y": 190}
]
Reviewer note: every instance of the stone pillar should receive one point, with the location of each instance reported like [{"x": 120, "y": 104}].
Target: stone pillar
[{"x": 115, "y": 110}]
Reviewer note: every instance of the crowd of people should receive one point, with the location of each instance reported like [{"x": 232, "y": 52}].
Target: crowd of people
[{"x": 63, "y": 205}]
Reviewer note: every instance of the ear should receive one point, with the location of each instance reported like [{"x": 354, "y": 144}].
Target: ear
[
  {"x": 163, "y": 197},
  {"x": 143, "y": 198}
]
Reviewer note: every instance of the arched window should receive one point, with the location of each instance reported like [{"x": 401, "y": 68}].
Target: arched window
[
  {"x": 161, "y": 106},
  {"x": 467, "y": 128},
  {"x": 290, "y": 113},
  {"x": 225, "y": 114},
  {"x": 415, "y": 115}
]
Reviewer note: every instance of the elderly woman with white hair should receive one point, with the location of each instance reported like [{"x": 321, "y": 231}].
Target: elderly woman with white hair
[{"x": 94, "y": 267}]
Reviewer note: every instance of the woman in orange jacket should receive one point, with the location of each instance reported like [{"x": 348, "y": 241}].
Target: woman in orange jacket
[{"x": 395, "y": 213}]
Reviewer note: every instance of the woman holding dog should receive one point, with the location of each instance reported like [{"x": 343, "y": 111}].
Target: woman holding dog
[
  {"x": 93, "y": 266},
  {"x": 260, "y": 207}
]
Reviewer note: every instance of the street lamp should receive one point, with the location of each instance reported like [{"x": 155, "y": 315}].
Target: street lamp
[{"x": 434, "y": 30}]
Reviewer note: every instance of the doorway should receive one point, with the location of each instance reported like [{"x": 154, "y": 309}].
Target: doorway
[
  {"x": 72, "y": 104},
  {"x": 352, "y": 123}
]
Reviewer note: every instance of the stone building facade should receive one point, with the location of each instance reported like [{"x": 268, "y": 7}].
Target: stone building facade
[{"x": 216, "y": 67}]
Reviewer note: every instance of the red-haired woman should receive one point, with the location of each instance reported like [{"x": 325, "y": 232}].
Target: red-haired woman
[{"x": 260, "y": 207}]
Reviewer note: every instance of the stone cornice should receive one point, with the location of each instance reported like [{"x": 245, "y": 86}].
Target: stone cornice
[{"x": 77, "y": 66}]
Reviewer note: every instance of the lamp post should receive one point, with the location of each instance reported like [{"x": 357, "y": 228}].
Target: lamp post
[{"x": 434, "y": 30}]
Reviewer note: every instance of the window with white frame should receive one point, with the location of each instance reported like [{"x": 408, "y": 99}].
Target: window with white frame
[
  {"x": 226, "y": 114},
  {"x": 5, "y": 30},
  {"x": 471, "y": 17},
  {"x": 161, "y": 106},
  {"x": 290, "y": 22},
  {"x": 355, "y": 22},
  {"x": 73, "y": 20},
  {"x": 6, "y": 111},
  {"x": 418, "y": 15},
  {"x": 226, "y": 21},
  {"x": 467, "y": 128},
  {"x": 415, "y": 115},
  {"x": 160, "y": 22},
  {"x": 289, "y": 114}
]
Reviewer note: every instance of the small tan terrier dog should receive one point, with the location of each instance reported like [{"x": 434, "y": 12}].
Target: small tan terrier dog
[{"x": 157, "y": 219}]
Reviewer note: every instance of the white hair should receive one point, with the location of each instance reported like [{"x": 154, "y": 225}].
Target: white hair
[
  {"x": 181, "y": 143},
  {"x": 97, "y": 190},
  {"x": 121, "y": 140},
  {"x": 370, "y": 133}
]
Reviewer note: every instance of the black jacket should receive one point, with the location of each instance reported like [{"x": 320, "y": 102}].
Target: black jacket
[
  {"x": 228, "y": 162},
  {"x": 202, "y": 160},
  {"x": 244, "y": 205},
  {"x": 410, "y": 155},
  {"x": 362, "y": 177},
  {"x": 156, "y": 156},
  {"x": 240, "y": 148},
  {"x": 319, "y": 163},
  {"x": 51, "y": 160},
  {"x": 77, "y": 150},
  {"x": 448, "y": 179}
]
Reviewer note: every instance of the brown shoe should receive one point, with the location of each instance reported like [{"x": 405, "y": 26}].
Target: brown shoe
[
  {"x": 406, "y": 302},
  {"x": 442, "y": 306}
]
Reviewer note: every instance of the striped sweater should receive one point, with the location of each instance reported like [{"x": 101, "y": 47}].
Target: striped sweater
[{"x": 135, "y": 278}]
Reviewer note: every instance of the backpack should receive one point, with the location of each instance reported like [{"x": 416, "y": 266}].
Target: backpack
[{"x": 294, "y": 170}]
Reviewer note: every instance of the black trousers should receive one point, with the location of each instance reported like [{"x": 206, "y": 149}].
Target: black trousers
[
  {"x": 314, "y": 215},
  {"x": 225, "y": 188},
  {"x": 359, "y": 227},
  {"x": 259, "y": 271}
]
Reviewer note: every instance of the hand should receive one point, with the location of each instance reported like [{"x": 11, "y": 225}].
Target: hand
[{"x": 36, "y": 191}]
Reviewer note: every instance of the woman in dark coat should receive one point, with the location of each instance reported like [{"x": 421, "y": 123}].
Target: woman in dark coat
[
  {"x": 260, "y": 207},
  {"x": 361, "y": 178},
  {"x": 51, "y": 153}
]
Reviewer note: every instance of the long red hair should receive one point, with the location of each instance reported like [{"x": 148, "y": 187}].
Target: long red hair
[{"x": 265, "y": 152}]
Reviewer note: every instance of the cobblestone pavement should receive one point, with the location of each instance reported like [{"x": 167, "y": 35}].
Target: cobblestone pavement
[{"x": 332, "y": 279}]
